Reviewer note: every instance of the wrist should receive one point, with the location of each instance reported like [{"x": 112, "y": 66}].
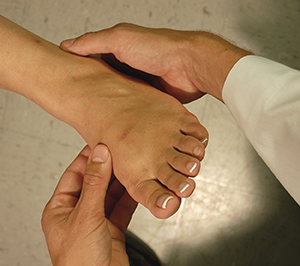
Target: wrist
[{"x": 210, "y": 60}]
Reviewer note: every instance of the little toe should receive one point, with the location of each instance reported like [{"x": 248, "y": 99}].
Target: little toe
[
  {"x": 192, "y": 127},
  {"x": 183, "y": 163},
  {"x": 159, "y": 200},
  {"x": 181, "y": 185},
  {"x": 191, "y": 146}
]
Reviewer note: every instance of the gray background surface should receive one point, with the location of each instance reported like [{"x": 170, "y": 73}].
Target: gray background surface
[{"x": 239, "y": 213}]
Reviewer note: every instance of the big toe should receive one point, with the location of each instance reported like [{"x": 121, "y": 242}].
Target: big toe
[{"x": 160, "y": 201}]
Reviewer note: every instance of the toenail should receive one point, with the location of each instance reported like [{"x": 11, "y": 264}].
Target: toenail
[
  {"x": 163, "y": 200},
  {"x": 197, "y": 151},
  {"x": 203, "y": 141},
  {"x": 183, "y": 187},
  {"x": 191, "y": 167}
]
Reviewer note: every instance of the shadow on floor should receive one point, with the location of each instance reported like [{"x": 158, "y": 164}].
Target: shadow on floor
[
  {"x": 270, "y": 235},
  {"x": 275, "y": 242}
]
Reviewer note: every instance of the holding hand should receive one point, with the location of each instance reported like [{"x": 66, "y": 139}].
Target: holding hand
[
  {"x": 85, "y": 220},
  {"x": 185, "y": 64}
]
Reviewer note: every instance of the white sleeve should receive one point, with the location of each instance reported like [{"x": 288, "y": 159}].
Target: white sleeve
[{"x": 264, "y": 98}]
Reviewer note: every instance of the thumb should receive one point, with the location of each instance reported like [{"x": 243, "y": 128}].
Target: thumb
[
  {"x": 88, "y": 43},
  {"x": 96, "y": 179}
]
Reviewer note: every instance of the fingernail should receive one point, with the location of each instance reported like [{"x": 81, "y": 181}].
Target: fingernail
[
  {"x": 163, "y": 200},
  {"x": 191, "y": 167},
  {"x": 68, "y": 43},
  {"x": 203, "y": 141},
  {"x": 100, "y": 154},
  {"x": 183, "y": 187},
  {"x": 197, "y": 151}
]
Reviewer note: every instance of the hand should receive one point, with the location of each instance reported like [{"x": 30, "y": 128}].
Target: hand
[
  {"x": 85, "y": 220},
  {"x": 185, "y": 64}
]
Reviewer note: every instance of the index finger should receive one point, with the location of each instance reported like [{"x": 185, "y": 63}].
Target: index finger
[
  {"x": 88, "y": 43},
  {"x": 71, "y": 180}
]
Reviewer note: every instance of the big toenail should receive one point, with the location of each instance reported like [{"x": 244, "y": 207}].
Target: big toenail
[
  {"x": 197, "y": 151},
  {"x": 191, "y": 167},
  {"x": 183, "y": 187},
  {"x": 163, "y": 200}
]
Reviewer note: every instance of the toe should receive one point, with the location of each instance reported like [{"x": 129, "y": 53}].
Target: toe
[
  {"x": 183, "y": 163},
  {"x": 159, "y": 200},
  {"x": 191, "y": 146},
  {"x": 192, "y": 127},
  {"x": 181, "y": 185}
]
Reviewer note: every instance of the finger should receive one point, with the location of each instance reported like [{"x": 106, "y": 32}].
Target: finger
[
  {"x": 66, "y": 194},
  {"x": 114, "y": 193},
  {"x": 123, "y": 212},
  {"x": 88, "y": 43},
  {"x": 71, "y": 181},
  {"x": 95, "y": 182}
]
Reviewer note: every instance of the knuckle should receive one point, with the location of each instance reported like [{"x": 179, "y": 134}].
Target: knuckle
[
  {"x": 85, "y": 37},
  {"x": 121, "y": 26},
  {"x": 121, "y": 35},
  {"x": 92, "y": 177},
  {"x": 123, "y": 30}
]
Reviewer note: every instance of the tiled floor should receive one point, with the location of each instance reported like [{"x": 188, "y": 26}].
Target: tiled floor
[{"x": 239, "y": 213}]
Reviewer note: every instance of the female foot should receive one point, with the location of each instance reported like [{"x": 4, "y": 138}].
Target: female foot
[{"x": 156, "y": 144}]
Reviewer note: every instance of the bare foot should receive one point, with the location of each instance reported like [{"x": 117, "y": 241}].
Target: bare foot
[
  {"x": 154, "y": 141},
  {"x": 156, "y": 144}
]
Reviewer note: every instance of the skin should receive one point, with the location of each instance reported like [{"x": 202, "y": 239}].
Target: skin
[
  {"x": 185, "y": 64},
  {"x": 153, "y": 139},
  {"x": 85, "y": 220}
]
